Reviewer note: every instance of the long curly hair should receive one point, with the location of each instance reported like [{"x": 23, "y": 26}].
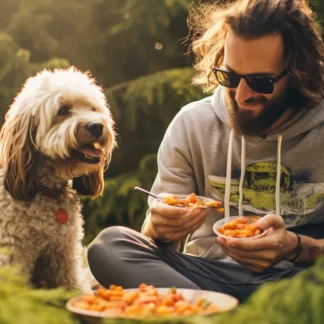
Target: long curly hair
[{"x": 292, "y": 19}]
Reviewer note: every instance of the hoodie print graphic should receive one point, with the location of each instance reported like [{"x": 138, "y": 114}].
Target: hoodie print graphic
[{"x": 299, "y": 199}]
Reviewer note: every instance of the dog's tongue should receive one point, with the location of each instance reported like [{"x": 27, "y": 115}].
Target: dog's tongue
[{"x": 91, "y": 151}]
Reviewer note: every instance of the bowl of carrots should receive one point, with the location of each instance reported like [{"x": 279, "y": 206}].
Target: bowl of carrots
[{"x": 239, "y": 227}]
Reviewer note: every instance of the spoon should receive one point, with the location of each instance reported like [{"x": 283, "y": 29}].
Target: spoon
[
  {"x": 154, "y": 196},
  {"x": 147, "y": 192}
]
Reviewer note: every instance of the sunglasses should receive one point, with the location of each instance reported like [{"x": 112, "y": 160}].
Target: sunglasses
[{"x": 260, "y": 84}]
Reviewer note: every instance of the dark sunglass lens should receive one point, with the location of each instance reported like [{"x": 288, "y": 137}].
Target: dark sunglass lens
[
  {"x": 227, "y": 79},
  {"x": 260, "y": 85}
]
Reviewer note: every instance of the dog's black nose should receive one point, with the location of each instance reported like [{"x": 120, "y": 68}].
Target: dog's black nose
[{"x": 95, "y": 129}]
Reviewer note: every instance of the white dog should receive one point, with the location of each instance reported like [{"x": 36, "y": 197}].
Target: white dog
[{"x": 58, "y": 128}]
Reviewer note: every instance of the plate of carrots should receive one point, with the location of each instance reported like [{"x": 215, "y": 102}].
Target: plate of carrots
[
  {"x": 148, "y": 302},
  {"x": 191, "y": 201}
]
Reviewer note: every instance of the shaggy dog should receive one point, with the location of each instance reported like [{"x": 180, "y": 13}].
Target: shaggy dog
[{"x": 56, "y": 141}]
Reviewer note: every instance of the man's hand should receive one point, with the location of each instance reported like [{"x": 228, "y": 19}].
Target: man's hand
[
  {"x": 169, "y": 223},
  {"x": 264, "y": 252}
]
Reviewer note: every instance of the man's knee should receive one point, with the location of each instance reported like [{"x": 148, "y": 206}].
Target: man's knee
[
  {"x": 111, "y": 250},
  {"x": 103, "y": 251},
  {"x": 112, "y": 240},
  {"x": 111, "y": 234},
  {"x": 106, "y": 240}
]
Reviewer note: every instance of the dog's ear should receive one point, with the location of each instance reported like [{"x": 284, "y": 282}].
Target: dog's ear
[
  {"x": 18, "y": 156},
  {"x": 90, "y": 185}
]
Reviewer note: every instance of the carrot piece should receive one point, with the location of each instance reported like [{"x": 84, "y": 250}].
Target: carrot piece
[
  {"x": 192, "y": 198},
  {"x": 257, "y": 232},
  {"x": 220, "y": 230},
  {"x": 251, "y": 227},
  {"x": 231, "y": 225},
  {"x": 213, "y": 204},
  {"x": 229, "y": 232},
  {"x": 243, "y": 220}
]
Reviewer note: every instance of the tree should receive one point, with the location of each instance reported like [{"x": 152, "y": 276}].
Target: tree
[{"x": 15, "y": 67}]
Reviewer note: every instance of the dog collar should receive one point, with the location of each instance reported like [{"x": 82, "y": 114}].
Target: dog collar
[{"x": 55, "y": 193}]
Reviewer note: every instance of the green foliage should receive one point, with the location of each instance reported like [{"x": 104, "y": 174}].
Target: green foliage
[
  {"x": 47, "y": 27},
  {"x": 145, "y": 106},
  {"x": 15, "y": 67},
  {"x": 21, "y": 304},
  {"x": 318, "y": 6},
  {"x": 151, "y": 95},
  {"x": 145, "y": 34},
  {"x": 120, "y": 201}
]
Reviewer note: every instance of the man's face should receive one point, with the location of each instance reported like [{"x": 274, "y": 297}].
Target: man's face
[{"x": 252, "y": 112}]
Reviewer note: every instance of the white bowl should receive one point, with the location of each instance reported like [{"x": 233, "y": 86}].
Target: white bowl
[
  {"x": 223, "y": 221},
  {"x": 223, "y": 302}
]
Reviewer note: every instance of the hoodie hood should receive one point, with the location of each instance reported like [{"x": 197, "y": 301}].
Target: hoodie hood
[{"x": 298, "y": 124}]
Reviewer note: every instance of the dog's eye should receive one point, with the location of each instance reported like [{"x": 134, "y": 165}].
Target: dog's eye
[{"x": 64, "y": 110}]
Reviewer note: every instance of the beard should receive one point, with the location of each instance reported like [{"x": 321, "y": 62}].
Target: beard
[{"x": 244, "y": 121}]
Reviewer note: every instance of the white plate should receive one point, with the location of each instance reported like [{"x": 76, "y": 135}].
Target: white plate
[
  {"x": 223, "y": 221},
  {"x": 223, "y": 302}
]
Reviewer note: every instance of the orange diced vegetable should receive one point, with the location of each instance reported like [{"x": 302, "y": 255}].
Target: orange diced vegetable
[{"x": 241, "y": 227}]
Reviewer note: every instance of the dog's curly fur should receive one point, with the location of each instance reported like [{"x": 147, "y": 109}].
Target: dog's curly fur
[{"x": 58, "y": 129}]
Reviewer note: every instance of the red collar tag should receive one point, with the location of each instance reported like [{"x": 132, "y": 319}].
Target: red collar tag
[{"x": 62, "y": 216}]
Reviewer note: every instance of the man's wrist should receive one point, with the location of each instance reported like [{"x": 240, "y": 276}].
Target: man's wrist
[
  {"x": 148, "y": 231},
  {"x": 300, "y": 250},
  {"x": 297, "y": 250},
  {"x": 293, "y": 246}
]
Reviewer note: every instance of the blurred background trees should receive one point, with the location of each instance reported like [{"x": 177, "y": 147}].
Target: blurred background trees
[{"x": 135, "y": 50}]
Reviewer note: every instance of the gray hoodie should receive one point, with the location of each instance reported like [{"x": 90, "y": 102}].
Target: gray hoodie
[{"x": 196, "y": 151}]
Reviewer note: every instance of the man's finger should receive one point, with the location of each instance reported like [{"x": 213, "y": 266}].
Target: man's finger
[
  {"x": 196, "y": 222},
  {"x": 183, "y": 221},
  {"x": 187, "y": 227},
  {"x": 255, "y": 263},
  {"x": 259, "y": 244},
  {"x": 262, "y": 255},
  {"x": 270, "y": 220},
  {"x": 168, "y": 211}
]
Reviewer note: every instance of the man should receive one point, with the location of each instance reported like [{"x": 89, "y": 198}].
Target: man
[{"x": 256, "y": 144}]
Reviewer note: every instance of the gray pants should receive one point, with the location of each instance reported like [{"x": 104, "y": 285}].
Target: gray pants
[{"x": 122, "y": 256}]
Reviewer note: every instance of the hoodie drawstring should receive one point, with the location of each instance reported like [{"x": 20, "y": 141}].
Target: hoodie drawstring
[
  {"x": 243, "y": 155},
  {"x": 243, "y": 166},
  {"x": 228, "y": 176},
  {"x": 279, "y": 138}
]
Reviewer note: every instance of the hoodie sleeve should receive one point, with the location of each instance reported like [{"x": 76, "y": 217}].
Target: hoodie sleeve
[{"x": 175, "y": 169}]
